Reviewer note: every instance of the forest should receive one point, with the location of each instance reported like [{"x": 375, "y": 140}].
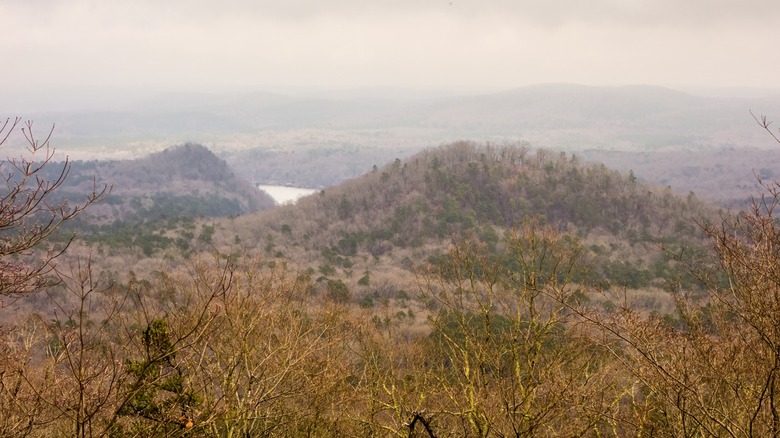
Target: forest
[{"x": 472, "y": 289}]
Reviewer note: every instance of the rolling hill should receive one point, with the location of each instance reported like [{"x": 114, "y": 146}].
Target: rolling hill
[
  {"x": 458, "y": 280},
  {"x": 167, "y": 190},
  {"x": 411, "y": 210}
]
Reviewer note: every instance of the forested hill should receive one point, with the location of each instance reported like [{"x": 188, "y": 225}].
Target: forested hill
[
  {"x": 472, "y": 190},
  {"x": 465, "y": 186},
  {"x": 182, "y": 181}
]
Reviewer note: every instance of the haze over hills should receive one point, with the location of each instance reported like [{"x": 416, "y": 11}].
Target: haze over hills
[
  {"x": 489, "y": 259},
  {"x": 271, "y": 137},
  {"x": 628, "y": 114}
]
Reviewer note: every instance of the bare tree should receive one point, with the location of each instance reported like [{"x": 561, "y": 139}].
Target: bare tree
[{"x": 28, "y": 213}]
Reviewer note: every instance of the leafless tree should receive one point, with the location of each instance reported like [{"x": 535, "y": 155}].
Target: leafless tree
[{"x": 29, "y": 213}]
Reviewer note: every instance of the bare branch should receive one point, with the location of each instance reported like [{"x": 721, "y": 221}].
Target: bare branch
[
  {"x": 764, "y": 123},
  {"x": 27, "y": 214}
]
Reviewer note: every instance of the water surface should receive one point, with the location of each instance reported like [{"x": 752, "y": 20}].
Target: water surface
[{"x": 286, "y": 194}]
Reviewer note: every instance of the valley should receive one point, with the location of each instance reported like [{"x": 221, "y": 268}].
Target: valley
[
  {"x": 352, "y": 219},
  {"x": 435, "y": 287}
]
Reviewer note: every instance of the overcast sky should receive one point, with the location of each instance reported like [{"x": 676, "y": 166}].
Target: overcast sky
[{"x": 98, "y": 48}]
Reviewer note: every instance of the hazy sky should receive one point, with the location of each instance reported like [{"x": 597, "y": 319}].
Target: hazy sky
[{"x": 100, "y": 48}]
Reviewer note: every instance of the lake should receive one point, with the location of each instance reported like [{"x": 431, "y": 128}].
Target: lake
[{"x": 286, "y": 194}]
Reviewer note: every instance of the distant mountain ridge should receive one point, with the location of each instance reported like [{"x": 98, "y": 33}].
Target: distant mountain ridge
[
  {"x": 324, "y": 139},
  {"x": 628, "y": 113}
]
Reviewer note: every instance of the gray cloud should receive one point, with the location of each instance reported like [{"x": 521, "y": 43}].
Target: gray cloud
[
  {"x": 477, "y": 44},
  {"x": 551, "y": 12},
  {"x": 548, "y": 12}
]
